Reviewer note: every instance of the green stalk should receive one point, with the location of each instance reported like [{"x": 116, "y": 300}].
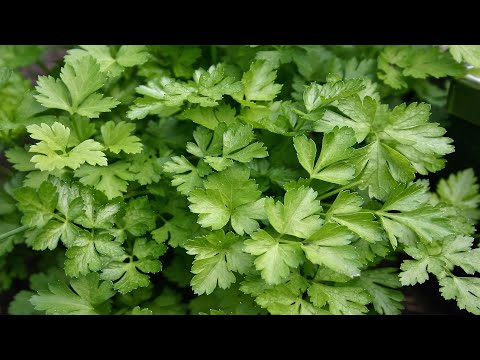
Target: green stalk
[
  {"x": 336, "y": 191},
  {"x": 14, "y": 231}
]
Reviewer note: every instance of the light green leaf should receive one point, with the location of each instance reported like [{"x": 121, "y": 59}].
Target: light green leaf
[
  {"x": 401, "y": 142},
  {"x": 439, "y": 256},
  {"x": 465, "y": 290},
  {"x": 297, "y": 216},
  {"x": 117, "y": 137},
  {"x": 347, "y": 209},
  {"x": 259, "y": 82},
  {"x": 396, "y": 63},
  {"x": 318, "y": 96},
  {"x": 53, "y": 149},
  {"x": 329, "y": 247},
  {"x": 461, "y": 191},
  {"x": 229, "y": 194},
  {"x": 466, "y": 53},
  {"x": 76, "y": 91},
  {"x": 330, "y": 167},
  {"x": 274, "y": 259}
]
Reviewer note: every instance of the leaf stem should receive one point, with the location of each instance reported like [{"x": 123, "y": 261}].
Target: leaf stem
[
  {"x": 65, "y": 220},
  {"x": 136, "y": 193},
  {"x": 58, "y": 217},
  {"x": 336, "y": 191},
  {"x": 162, "y": 218},
  {"x": 285, "y": 241},
  {"x": 14, "y": 231}
]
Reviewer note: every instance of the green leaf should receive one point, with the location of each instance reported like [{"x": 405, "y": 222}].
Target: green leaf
[
  {"x": 347, "y": 209},
  {"x": 127, "y": 56},
  {"x": 259, "y": 82},
  {"x": 39, "y": 206},
  {"x": 20, "y": 158},
  {"x": 132, "y": 55},
  {"x": 53, "y": 149},
  {"x": 330, "y": 167},
  {"x": 139, "y": 216},
  {"x": 87, "y": 296},
  {"x": 75, "y": 91},
  {"x": 318, "y": 96},
  {"x": 329, "y": 247},
  {"x": 179, "y": 227},
  {"x": 382, "y": 168},
  {"x": 217, "y": 255},
  {"x": 214, "y": 83},
  {"x": 137, "y": 310},
  {"x": 97, "y": 213},
  {"x": 150, "y": 106},
  {"x": 297, "y": 216},
  {"x": 439, "y": 256},
  {"x": 465, "y": 290},
  {"x": 422, "y": 143},
  {"x": 111, "y": 180},
  {"x": 131, "y": 275},
  {"x": 208, "y": 116},
  {"x": 277, "y": 117},
  {"x": 117, "y": 137},
  {"x": 402, "y": 141},
  {"x": 457, "y": 251},
  {"x": 85, "y": 254},
  {"x": 187, "y": 177},
  {"x": 180, "y": 57},
  {"x": 21, "y": 305},
  {"x": 237, "y": 146},
  {"x": 168, "y": 303},
  {"x": 428, "y": 222},
  {"x": 397, "y": 63},
  {"x": 382, "y": 284},
  {"x": 53, "y": 93},
  {"x": 341, "y": 300},
  {"x": 360, "y": 115},
  {"x": 49, "y": 235},
  {"x": 228, "y": 195},
  {"x": 230, "y": 301},
  {"x": 147, "y": 168},
  {"x": 410, "y": 212},
  {"x": 407, "y": 197},
  {"x": 274, "y": 259},
  {"x": 287, "y": 299},
  {"x": 69, "y": 204},
  {"x": 466, "y": 53},
  {"x": 14, "y": 56},
  {"x": 461, "y": 191},
  {"x": 165, "y": 96},
  {"x": 207, "y": 143}
]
